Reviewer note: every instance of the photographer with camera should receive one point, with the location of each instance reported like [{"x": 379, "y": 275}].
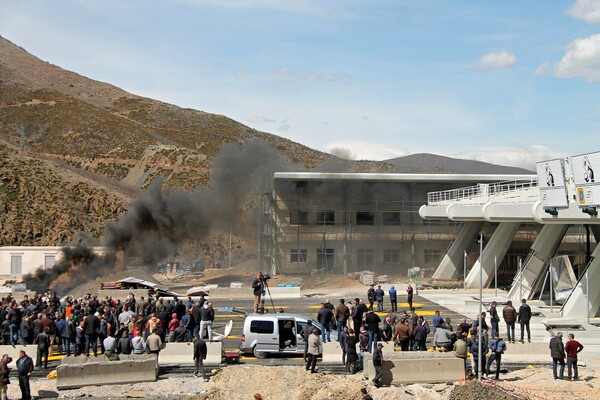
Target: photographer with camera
[{"x": 258, "y": 290}]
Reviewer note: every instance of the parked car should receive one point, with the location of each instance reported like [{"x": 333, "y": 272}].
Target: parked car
[{"x": 279, "y": 333}]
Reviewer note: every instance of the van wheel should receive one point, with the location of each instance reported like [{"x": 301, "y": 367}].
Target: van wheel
[{"x": 259, "y": 354}]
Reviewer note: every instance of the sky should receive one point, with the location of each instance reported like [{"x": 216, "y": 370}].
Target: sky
[{"x": 511, "y": 82}]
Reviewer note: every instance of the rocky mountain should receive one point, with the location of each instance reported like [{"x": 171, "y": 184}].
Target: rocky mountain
[
  {"x": 75, "y": 152},
  {"x": 433, "y": 163}
]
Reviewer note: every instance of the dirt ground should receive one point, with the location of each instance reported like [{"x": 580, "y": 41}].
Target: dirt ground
[{"x": 242, "y": 382}]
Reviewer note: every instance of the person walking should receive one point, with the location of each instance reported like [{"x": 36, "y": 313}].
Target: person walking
[
  {"x": 314, "y": 346},
  {"x": 378, "y": 364},
  {"x": 557, "y": 352},
  {"x": 4, "y": 373},
  {"x": 524, "y": 316},
  {"x": 474, "y": 349},
  {"x": 409, "y": 295},
  {"x": 25, "y": 368},
  {"x": 509, "y": 314},
  {"x": 379, "y": 295},
  {"x": 497, "y": 348},
  {"x": 572, "y": 348},
  {"x": 200, "y": 352},
  {"x": 393, "y": 299}
]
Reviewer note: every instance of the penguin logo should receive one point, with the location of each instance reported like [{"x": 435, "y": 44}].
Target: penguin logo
[
  {"x": 588, "y": 172},
  {"x": 549, "y": 176}
]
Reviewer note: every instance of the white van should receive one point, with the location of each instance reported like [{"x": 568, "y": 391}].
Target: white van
[{"x": 279, "y": 333}]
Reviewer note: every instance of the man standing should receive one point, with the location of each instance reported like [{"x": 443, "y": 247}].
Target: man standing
[
  {"x": 572, "y": 348},
  {"x": 497, "y": 347},
  {"x": 4, "y": 372},
  {"x": 524, "y": 316},
  {"x": 25, "y": 367},
  {"x": 378, "y": 364},
  {"x": 207, "y": 316},
  {"x": 257, "y": 289},
  {"x": 402, "y": 334},
  {"x": 509, "y": 314},
  {"x": 437, "y": 320},
  {"x": 379, "y": 295},
  {"x": 200, "y": 352},
  {"x": 474, "y": 349},
  {"x": 419, "y": 336},
  {"x": 314, "y": 346},
  {"x": 371, "y": 296},
  {"x": 342, "y": 313},
  {"x": 393, "y": 299},
  {"x": 43, "y": 345},
  {"x": 91, "y": 328},
  {"x": 460, "y": 350},
  {"x": 372, "y": 321},
  {"x": 494, "y": 319},
  {"x": 557, "y": 352},
  {"x": 324, "y": 317},
  {"x": 409, "y": 295},
  {"x": 359, "y": 309}
]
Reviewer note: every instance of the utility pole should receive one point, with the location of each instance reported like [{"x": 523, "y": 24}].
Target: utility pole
[{"x": 479, "y": 334}]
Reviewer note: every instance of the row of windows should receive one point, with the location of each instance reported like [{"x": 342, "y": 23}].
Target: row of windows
[
  {"x": 366, "y": 256},
  {"x": 327, "y": 217}
]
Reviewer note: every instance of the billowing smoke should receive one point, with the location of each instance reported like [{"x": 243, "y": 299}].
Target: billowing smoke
[{"x": 158, "y": 224}]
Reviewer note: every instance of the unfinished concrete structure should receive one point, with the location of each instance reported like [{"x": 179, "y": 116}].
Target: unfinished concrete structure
[{"x": 346, "y": 222}]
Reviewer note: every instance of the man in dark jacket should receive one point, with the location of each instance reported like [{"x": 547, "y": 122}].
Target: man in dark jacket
[
  {"x": 494, "y": 319},
  {"x": 372, "y": 320},
  {"x": 25, "y": 368},
  {"x": 509, "y": 314},
  {"x": 379, "y": 295},
  {"x": 324, "y": 317},
  {"x": 4, "y": 372},
  {"x": 497, "y": 348},
  {"x": 393, "y": 299},
  {"x": 91, "y": 328},
  {"x": 200, "y": 352},
  {"x": 419, "y": 336},
  {"x": 524, "y": 318},
  {"x": 124, "y": 345},
  {"x": 257, "y": 289},
  {"x": 43, "y": 346},
  {"x": 378, "y": 364},
  {"x": 557, "y": 352},
  {"x": 371, "y": 296},
  {"x": 342, "y": 313},
  {"x": 474, "y": 349}
]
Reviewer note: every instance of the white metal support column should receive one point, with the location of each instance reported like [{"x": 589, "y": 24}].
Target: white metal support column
[
  {"x": 543, "y": 249},
  {"x": 581, "y": 301},
  {"x": 453, "y": 260},
  {"x": 496, "y": 246}
]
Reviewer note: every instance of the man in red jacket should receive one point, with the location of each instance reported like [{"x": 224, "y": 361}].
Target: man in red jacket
[{"x": 572, "y": 348}]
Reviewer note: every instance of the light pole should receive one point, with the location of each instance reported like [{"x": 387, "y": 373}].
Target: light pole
[
  {"x": 479, "y": 334},
  {"x": 465, "y": 271}
]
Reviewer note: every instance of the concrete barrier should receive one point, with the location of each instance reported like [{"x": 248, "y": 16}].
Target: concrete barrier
[
  {"x": 416, "y": 367},
  {"x": 121, "y": 294},
  {"x": 81, "y": 359},
  {"x": 98, "y": 373},
  {"x": 332, "y": 353},
  {"x": 13, "y": 352},
  {"x": 183, "y": 354}
]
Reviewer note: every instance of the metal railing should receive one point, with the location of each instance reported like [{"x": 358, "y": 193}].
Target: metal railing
[{"x": 481, "y": 192}]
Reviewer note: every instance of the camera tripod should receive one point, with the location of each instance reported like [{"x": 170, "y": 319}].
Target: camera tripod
[{"x": 265, "y": 290}]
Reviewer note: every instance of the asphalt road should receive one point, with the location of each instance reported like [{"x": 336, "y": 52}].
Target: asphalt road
[{"x": 308, "y": 307}]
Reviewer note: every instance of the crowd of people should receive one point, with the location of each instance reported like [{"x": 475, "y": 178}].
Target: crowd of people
[{"x": 361, "y": 328}]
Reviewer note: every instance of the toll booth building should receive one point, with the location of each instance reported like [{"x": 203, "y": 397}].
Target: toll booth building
[{"x": 348, "y": 222}]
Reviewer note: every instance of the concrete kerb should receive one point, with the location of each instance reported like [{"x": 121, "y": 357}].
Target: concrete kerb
[
  {"x": 183, "y": 354},
  {"x": 98, "y": 373},
  {"x": 416, "y": 367}
]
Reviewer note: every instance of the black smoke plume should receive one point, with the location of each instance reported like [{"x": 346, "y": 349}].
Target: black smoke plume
[{"x": 156, "y": 225}]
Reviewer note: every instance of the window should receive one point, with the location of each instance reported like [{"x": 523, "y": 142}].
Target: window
[
  {"x": 391, "y": 256},
  {"x": 432, "y": 256},
  {"x": 49, "y": 261},
  {"x": 326, "y": 217},
  {"x": 258, "y": 326},
  {"x": 16, "y": 265},
  {"x": 298, "y": 217},
  {"x": 298, "y": 255},
  {"x": 391, "y": 218},
  {"x": 365, "y": 258},
  {"x": 432, "y": 222},
  {"x": 365, "y": 218},
  {"x": 325, "y": 259}
]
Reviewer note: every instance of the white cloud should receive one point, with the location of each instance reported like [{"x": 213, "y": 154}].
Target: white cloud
[
  {"x": 501, "y": 59},
  {"x": 524, "y": 157},
  {"x": 586, "y": 10},
  {"x": 284, "y": 75},
  {"x": 542, "y": 69},
  {"x": 365, "y": 150},
  {"x": 261, "y": 119},
  {"x": 240, "y": 73},
  {"x": 582, "y": 60}
]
